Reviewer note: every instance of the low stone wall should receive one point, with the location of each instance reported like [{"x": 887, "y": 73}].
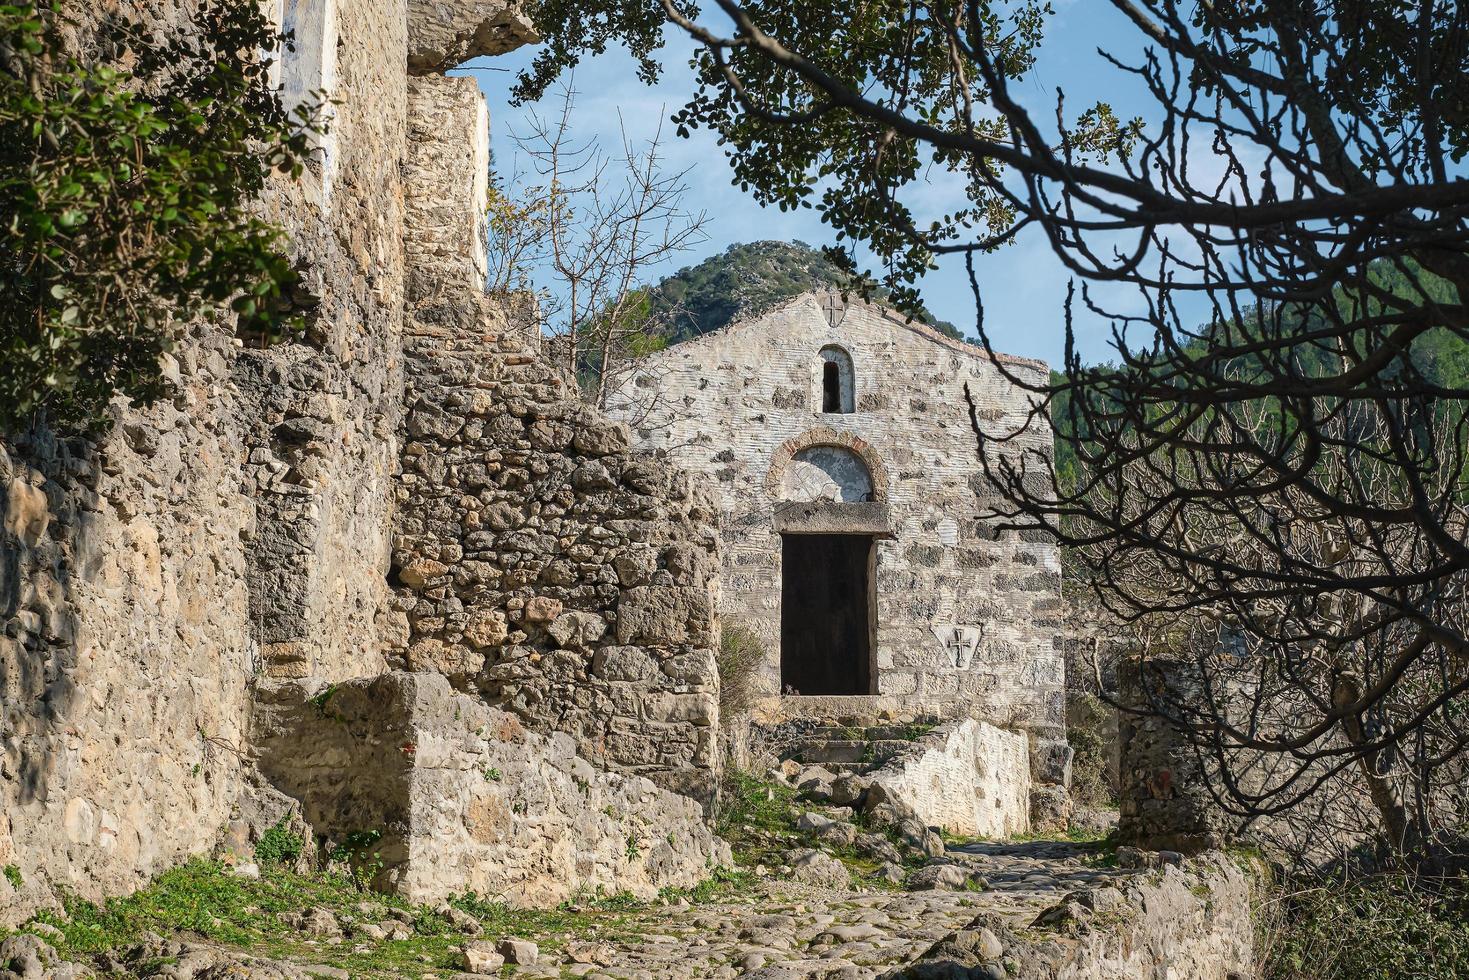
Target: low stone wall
[
  {"x": 967, "y": 777},
  {"x": 1193, "y": 920},
  {"x": 452, "y": 795}
]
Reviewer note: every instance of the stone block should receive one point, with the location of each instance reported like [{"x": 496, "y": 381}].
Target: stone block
[
  {"x": 489, "y": 813},
  {"x": 1050, "y": 808},
  {"x": 967, "y": 777},
  {"x": 1050, "y": 762},
  {"x": 443, "y": 34},
  {"x": 625, "y": 663},
  {"x": 664, "y": 616}
]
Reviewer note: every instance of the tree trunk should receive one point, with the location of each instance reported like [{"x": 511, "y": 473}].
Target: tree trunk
[{"x": 1396, "y": 825}]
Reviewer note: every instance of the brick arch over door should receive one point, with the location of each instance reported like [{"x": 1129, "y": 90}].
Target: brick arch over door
[{"x": 824, "y": 435}]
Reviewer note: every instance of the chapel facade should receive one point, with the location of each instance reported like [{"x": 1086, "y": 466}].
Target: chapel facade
[{"x": 837, "y": 437}]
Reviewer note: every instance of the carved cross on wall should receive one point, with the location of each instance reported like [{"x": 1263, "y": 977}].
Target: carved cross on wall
[
  {"x": 959, "y": 641},
  {"x": 835, "y": 310},
  {"x": 961, "y": 646}
]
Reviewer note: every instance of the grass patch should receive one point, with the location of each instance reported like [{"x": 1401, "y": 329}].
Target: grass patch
[
  {"x": 759, "y": 822},
  {"x": 204, "y": 899}
]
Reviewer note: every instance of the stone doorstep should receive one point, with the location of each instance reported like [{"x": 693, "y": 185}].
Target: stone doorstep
[
  {"x": 856, "y": 710},
  {"x": 867, "y": 752}
]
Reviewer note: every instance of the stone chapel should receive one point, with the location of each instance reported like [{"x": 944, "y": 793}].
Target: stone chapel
[{"x": 837, "y": 439}]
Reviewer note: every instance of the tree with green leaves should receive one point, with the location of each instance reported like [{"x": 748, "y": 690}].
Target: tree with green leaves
[
  {"x": 1268, "y": 480},
  {"x": 128, "y": 201}
]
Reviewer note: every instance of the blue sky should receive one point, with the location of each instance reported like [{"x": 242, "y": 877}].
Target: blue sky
[{"x": 1023, "y": 285}]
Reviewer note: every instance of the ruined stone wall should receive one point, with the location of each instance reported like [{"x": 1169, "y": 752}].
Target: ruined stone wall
[
  {"x": 1165, "y": 798},
  {"x": 1164, "y": 787},
  {"x": 465, "y": 798},
  {"x": 966, "y": 621},
  {"x": 538, "y": 560},
  {"x": 323, "y": 412},
  {"x": 126, "y": 653},
  {"x": 234, "y": 529},
  {"x": 1191, "y": 919}
]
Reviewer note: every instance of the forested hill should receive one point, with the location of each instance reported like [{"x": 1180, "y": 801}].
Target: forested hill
[
  {"x": 744, "y": 281},
  {"x": 1439, "y": 356}
]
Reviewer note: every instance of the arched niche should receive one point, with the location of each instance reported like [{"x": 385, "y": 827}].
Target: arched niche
[
  {"x": 827, "y": 464},
  {"x": 838, "y": 381},
  {"x": 832, "y": 473}
]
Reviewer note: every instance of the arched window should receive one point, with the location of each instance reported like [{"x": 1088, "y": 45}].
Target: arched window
[{"x": 838, "y": 396}]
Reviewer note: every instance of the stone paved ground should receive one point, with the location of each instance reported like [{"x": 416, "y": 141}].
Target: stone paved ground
[
  {"x": 784, "y": 930},
  {"x": 768, "y": 926}
]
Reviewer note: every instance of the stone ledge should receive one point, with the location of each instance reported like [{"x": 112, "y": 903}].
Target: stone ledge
[{"x": 831, "y": 517}]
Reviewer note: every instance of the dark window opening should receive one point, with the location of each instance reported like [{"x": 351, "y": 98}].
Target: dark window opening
[
  {"x": 831, "y": 387},
  {"x": 826, "y": 614}
]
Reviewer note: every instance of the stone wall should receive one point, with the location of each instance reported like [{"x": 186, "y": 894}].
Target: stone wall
[
  {"x": 323, "y": 413},
  {"x": 968, "y": 777},
  {"x": 466, "y": 799},
  {"x": 1192, "y": 920},
  {"x": 126, "y": 655},
  {"x": 238, "y": 528},
  {"x": 1165, "y": 783},
  {"x": 537, "y": 560},
  {"x": 1165, "y": 801}
]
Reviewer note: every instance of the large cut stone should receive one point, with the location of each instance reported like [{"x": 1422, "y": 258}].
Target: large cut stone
[
  {"x": 443, "y": 34},
  {"x": 656, "y": 615},
  {"x": 466, "y": 799}
]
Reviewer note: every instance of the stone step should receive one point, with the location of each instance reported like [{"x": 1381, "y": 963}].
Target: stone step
[
  {"x": 847, "y": 768},
  {"x": 890, "y": 732},
  {"x": 825, "y": 752}
]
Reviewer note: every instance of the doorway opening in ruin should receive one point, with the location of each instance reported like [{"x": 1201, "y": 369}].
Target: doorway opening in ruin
[{"x": 826, "y": 614}]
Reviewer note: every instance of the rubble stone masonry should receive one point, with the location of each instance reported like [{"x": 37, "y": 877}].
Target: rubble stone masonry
[
  {"x": 538, "y": 560},
  {"x": 232, "y": 544}
]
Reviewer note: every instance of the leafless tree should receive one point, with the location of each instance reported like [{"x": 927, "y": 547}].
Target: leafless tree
[
  {"x": 1270, "y": 479},
  {"x": 596, "y": 226}
]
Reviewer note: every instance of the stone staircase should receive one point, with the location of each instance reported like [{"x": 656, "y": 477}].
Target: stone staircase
[{"x": 851, "y": 749}]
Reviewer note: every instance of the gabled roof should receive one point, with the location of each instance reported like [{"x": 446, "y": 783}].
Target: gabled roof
[{"x": 892, "y": 316}]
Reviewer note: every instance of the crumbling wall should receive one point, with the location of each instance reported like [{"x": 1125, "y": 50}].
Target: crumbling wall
[
  {"x": 1193, "y": 919},
  {"x": 126, "y": 655},
  {"x": 451, "y": 795},
  {"x": 238, "y": 527},
  {"x": 1165, "y": 801},
  {"x": 1168, "y": 783},
  {"x": 537, "y": 560}
]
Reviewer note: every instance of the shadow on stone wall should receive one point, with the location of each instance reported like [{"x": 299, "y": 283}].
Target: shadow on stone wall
[{"x": 38, "y": 655}]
